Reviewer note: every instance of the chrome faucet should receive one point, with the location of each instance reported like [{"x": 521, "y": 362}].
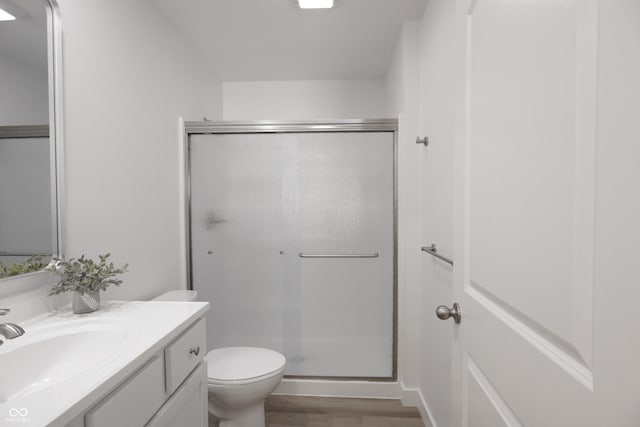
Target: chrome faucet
[{"x": 9, "y": 330}]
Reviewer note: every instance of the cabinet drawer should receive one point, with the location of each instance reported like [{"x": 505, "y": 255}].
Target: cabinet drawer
[
  {"x": 184, "y": 354},
  {"x": 134, "y": 402}
]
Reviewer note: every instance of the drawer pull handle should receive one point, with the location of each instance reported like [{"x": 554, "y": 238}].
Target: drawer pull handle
[{"x": 195, "y": 351}]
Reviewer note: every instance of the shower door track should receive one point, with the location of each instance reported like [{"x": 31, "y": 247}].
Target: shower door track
[{"x": 301, "y": 126}]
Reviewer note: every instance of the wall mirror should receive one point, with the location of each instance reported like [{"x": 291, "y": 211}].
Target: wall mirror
[{"x": 30, "y": 136}]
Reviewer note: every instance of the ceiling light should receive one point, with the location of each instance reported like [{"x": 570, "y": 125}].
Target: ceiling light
[
  {"x": 6, "y": 16},
  {"x": 315, "y": 4}
]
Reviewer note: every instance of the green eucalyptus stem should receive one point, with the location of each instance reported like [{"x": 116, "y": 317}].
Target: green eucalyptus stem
[
  {"x": 84, "y": 274},
  {"x": 33, "y": 263}
]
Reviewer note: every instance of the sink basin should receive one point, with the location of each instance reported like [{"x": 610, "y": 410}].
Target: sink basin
[{"x": 50, "y": 354}]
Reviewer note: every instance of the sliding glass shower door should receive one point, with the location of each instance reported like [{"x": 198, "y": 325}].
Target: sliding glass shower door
[{"x": 292, "y": 242}]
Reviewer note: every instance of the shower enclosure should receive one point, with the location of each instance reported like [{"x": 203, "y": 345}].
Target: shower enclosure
[
  {"x": 26, "y": 224},
  {"x": 292, "y": 238}
]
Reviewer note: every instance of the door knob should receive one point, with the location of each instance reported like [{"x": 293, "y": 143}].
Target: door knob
[{"x": 443, "y": 312}]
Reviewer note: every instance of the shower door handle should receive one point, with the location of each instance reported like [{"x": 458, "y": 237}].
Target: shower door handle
[{"x": 339, "y": 255}]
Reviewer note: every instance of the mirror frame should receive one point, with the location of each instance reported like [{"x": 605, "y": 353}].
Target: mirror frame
[
  {"x": 55, "y": 85},
  {"x": 56, "y": 152}
]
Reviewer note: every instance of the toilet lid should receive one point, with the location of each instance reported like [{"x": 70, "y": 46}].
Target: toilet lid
[{"x": 242, "y": 363}]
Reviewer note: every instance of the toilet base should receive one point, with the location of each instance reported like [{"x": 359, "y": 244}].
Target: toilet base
[
  {"x": 239, "y": 402},
  {"x": 252, "y": 416}
]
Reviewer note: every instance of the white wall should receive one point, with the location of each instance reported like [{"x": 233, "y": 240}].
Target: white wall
[
  {"x": 24, "y": 99},
  {"x": 437, "y": 67},
  {"x": 301, "y": 100},
  {"x": 393, "y": 81},
  {"x": 128, "y": 78},
  {"x": 402, "y": 101},
  {"x": 419, "y": 88}
]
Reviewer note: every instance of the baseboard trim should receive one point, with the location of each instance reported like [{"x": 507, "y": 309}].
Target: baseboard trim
[
  {"x": 363, "y": 389},
  {"x": 327, "y": 388},
  {"x": 414, "y": 397}
]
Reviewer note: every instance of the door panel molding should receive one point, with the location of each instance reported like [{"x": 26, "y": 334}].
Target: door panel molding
[
  {"x": 555, "y": 348},
  {"x": 584, "y": 186},
  {"x": 570, "y": 311},
  {"x": 500, "y": 407}
]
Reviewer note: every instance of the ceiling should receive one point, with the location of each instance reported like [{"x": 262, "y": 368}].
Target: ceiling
[
  {"x": 243, "y": 40},
  {"x": 25, "y": 39}
]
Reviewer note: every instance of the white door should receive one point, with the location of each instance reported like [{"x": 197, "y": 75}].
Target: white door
[{"x": 546, "y": 214}]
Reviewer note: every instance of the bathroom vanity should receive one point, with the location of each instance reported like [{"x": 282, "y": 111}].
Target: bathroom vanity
[{"x": 128, "y": 364}]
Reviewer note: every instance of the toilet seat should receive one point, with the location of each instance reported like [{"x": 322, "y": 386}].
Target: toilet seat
[{"x": 242, "y": 365}]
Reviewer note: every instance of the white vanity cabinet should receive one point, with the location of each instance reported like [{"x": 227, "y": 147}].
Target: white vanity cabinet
[
  {"x": 169, "y": 389},
  {"x": 188, "y": 405}
]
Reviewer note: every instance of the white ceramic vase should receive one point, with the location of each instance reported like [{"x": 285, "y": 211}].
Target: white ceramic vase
[{"x": 86, "y": 302}]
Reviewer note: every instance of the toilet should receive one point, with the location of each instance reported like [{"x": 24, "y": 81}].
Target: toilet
[{"x": 240, "y": 378}]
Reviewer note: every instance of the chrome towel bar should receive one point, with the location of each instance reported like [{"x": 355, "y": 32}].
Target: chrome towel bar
[
  {"x": 343, "y": 255},
  {"x": 433, "y": 251}
]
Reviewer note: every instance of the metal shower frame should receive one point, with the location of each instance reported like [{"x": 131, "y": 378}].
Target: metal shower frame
[{"x": 306, "y": 126}]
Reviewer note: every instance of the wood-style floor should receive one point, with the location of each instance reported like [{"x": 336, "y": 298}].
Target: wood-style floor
[{"x": 300, "y": 411}]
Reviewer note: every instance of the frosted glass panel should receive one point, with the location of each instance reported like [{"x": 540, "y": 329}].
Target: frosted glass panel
[
  {"x": 236, "y": 233},
  {"x": 258, "y": 201},
  {"x": 25, "y": 199}
]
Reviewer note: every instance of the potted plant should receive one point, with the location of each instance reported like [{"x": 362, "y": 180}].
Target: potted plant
[{"x": 85, "y": 278}]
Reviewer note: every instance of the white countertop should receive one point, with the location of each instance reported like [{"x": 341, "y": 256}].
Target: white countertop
[{"x": 149, "y": 327}]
